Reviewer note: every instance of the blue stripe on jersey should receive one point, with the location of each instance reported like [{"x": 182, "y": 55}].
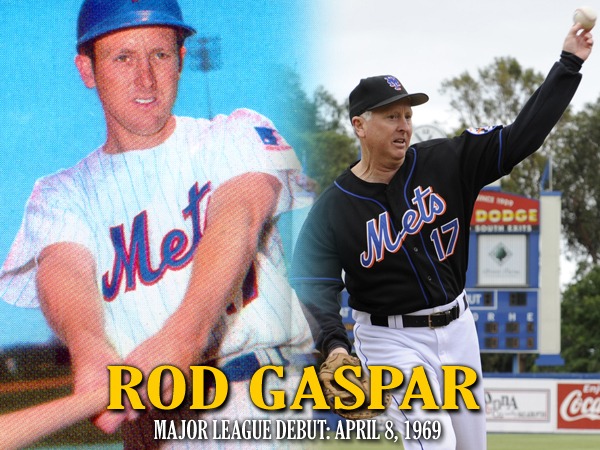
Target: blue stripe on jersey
[
  {"x": 368, "y": 199},
  {"x": 437, "y": 274},
  {"x": 359, "y": 196},
  {"x": 420, "y": 234},
  {"x": 417, "y": 277}
]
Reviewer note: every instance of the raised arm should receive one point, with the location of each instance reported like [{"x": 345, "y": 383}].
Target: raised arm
[{"x": 548, "y": 103}]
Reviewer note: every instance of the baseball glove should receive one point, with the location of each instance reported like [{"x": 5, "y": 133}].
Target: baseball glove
[{"x": 332, "y": 389}]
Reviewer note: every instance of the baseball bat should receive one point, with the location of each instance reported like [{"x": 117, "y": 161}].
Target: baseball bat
[{"x": 26, "y": 426}]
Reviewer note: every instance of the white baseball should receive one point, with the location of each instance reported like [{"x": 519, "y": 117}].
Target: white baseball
[{"x": 586, "y": 16}]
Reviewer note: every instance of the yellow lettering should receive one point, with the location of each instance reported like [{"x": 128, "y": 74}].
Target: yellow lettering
[
  {"x": 377, "y": 386},
  {"x": 256, "y": 389},
  {"x": 508, "y": 215},
  {"x": 310, "y": 379},
  {"x": 450, "y": 387},
  {"x": 155, "y": 387},
  {"x": 533, "y": 215},
  {"x": 480, "y": 215},
  {"x": 419, "y": 380},
  {"x": 350, "y": 386},
  {"x": 198, "y": 395},
  {"x": 495, "y": 215},
  {"x": 116, "y": 387}
]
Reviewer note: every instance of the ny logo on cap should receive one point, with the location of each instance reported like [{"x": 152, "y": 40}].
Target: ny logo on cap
[{"x": 394, "y": 82}]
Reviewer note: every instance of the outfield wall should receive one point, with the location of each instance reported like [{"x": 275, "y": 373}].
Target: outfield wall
[{"x": 542, "y": 405}]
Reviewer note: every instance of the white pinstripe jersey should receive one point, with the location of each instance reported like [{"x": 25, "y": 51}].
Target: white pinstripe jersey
[{"x": 142, "y": 213}]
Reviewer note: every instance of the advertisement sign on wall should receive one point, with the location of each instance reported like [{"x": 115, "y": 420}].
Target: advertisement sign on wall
[
  {"x": 578, "y": 406},
  {"x": 502, "y": 260},
  {"x": 519, "y": 405},
  {"x": 502, "y": 212}
]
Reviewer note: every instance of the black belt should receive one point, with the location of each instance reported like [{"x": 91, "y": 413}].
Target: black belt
[{"x": 435, "y": 320}]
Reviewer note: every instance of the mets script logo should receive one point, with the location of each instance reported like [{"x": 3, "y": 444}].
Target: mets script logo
[
  {"x": 176, "y": 251},
  {"x": 393, "y": 82},
  {"x": 133, "y": 260},
  {"x": 429, "y": 205}
]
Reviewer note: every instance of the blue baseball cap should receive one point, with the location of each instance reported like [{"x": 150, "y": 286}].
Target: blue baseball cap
[{"x": 100, "y": 17}]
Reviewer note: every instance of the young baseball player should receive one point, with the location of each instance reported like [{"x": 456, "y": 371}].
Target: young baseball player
[
  {"x": 159, "y": 247},
  {"x": 396, "y": 223}
]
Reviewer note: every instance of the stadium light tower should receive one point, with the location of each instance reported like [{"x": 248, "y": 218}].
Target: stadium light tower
[{"x": 205, "y": 53}]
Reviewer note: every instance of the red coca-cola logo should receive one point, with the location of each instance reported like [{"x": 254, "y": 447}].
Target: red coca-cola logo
[{"x": 579, "y": 406}]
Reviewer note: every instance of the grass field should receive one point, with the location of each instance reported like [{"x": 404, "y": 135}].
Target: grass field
[{"x": 85, "y": 436}]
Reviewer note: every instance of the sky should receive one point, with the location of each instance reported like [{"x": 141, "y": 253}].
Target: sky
[
  {"x": 51, "y": 120},
  {"x": 426, "y": 42}
]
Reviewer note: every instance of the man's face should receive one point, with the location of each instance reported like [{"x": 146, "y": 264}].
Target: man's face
[
  {"x": 136, "y": 73},
  {"x": 386, "y": 135}
]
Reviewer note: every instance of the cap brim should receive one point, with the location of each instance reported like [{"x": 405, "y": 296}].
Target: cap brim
[{"x": 415, "y": 100}]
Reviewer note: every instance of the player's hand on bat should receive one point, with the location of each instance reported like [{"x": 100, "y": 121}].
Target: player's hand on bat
[
  {"x": 90, "y": 373},
  {"x": 71, "y": 302},
  {"x": 579, "y": 42}
]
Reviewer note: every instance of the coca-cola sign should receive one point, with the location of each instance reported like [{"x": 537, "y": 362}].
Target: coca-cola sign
[{"x": 579, "y": 406}]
